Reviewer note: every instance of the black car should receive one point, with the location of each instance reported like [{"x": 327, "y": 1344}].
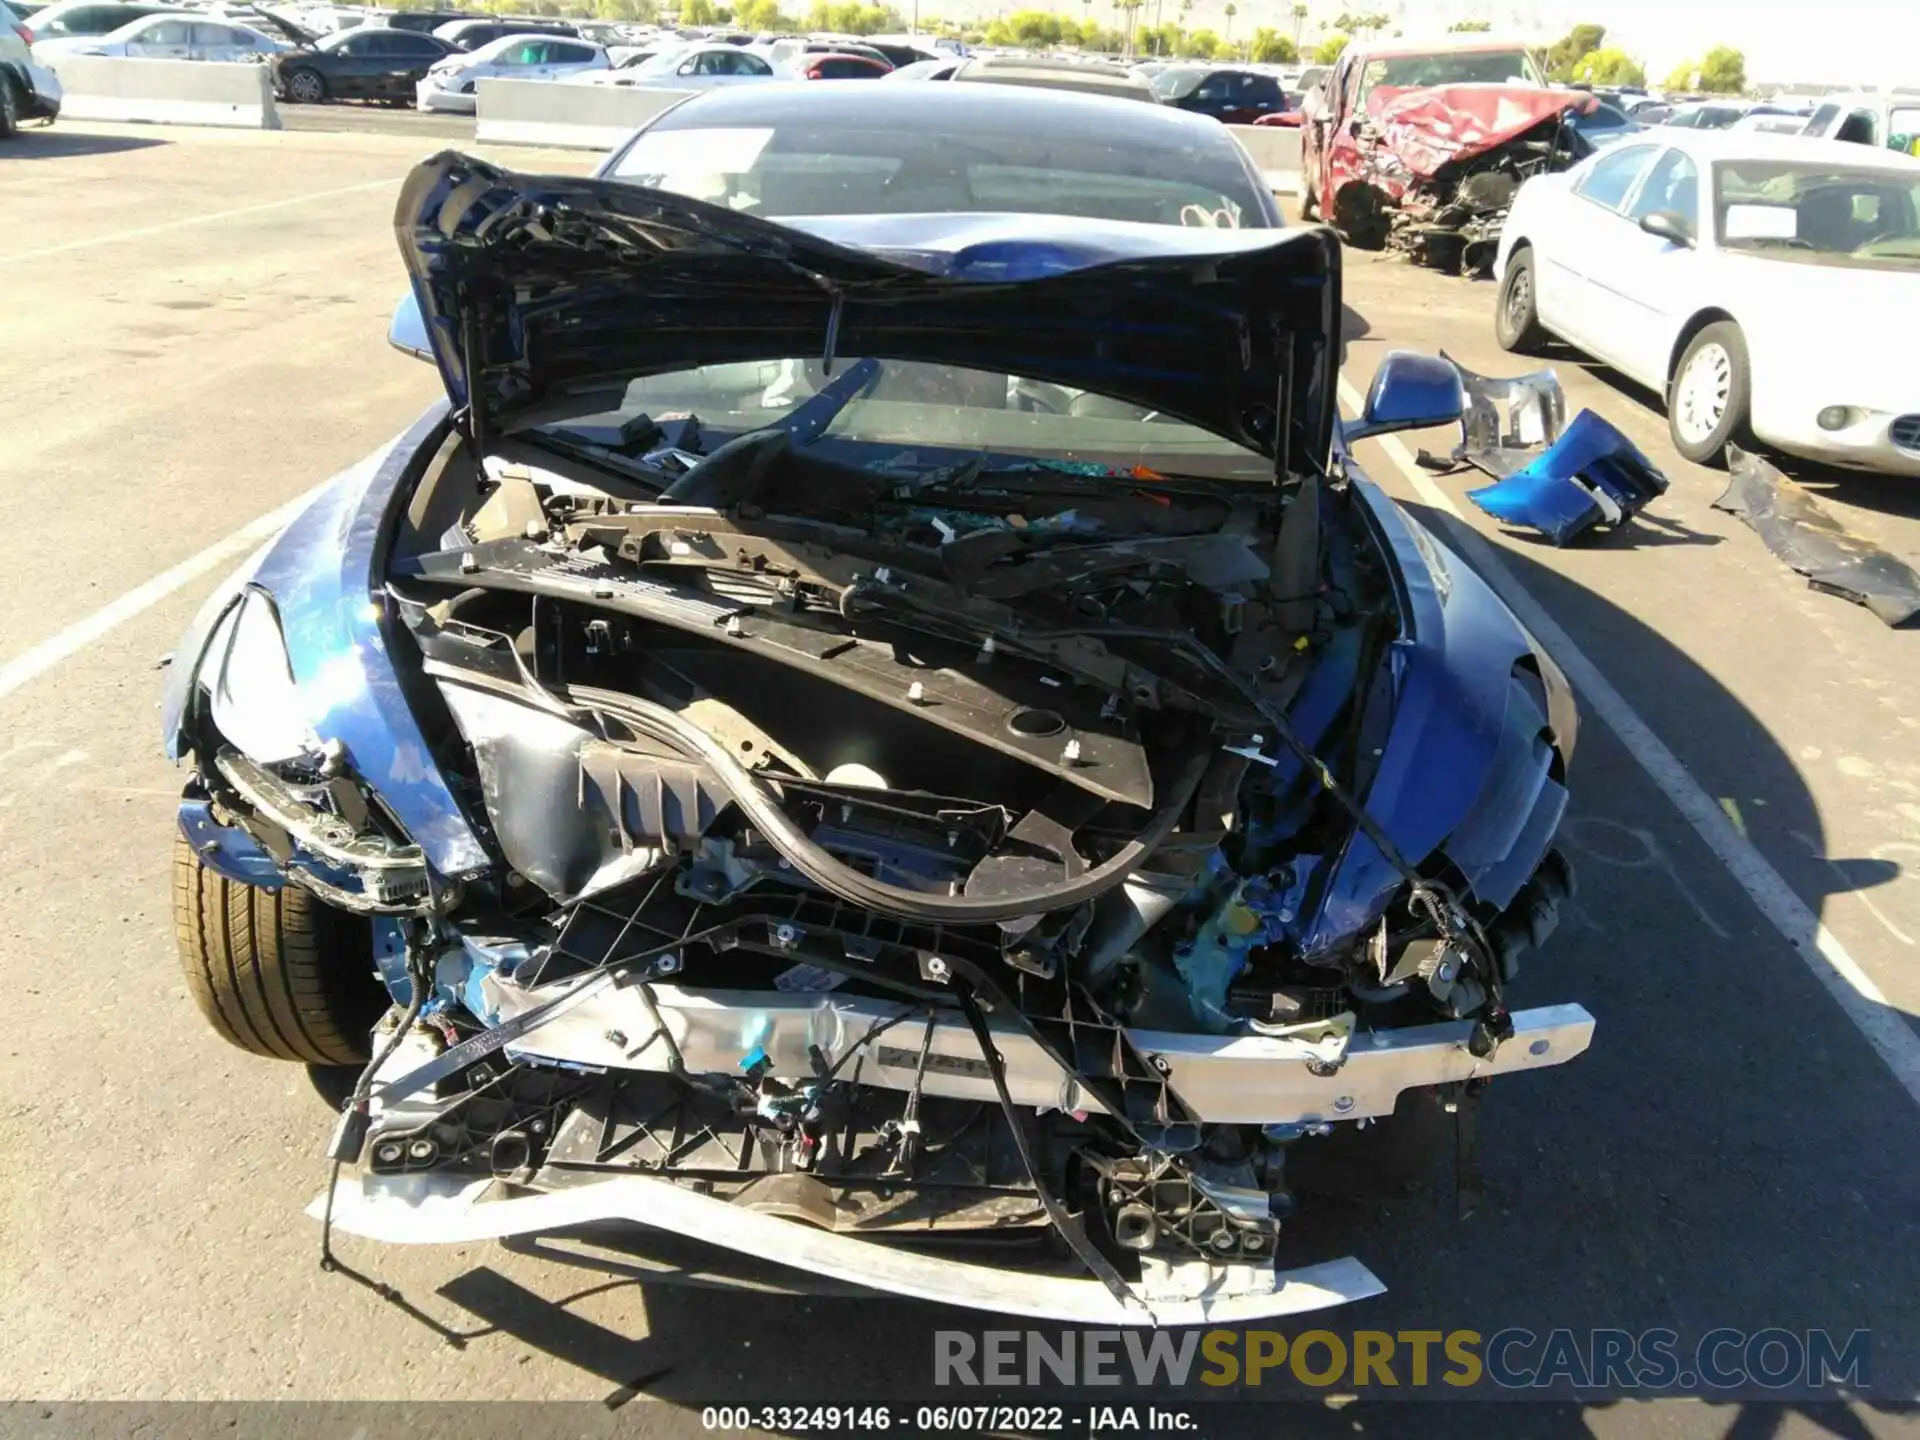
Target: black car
[
  {"x": 472, "y": 35},
  {"x": 1233, "y": 97},
  {"x": 358, "y": 65},
  {"x": 425, "y": 21}
]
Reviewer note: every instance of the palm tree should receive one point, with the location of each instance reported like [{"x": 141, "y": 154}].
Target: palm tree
[
  {"x": 1232, "y": 10},
  {"x": 1299, "y": 20}
]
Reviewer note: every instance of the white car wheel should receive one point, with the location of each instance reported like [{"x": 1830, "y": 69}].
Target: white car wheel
[
  {"x": 1708, "y": 398},
  {"x": 1702, "y": 392}
]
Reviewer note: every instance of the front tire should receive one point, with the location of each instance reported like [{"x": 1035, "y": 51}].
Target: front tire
[
  {"x": 304, "y": 87},
  {"x": 1516, "y": 314},
  {"x": 1709, "y": 397},
  {"x": 275, "y": 972}
]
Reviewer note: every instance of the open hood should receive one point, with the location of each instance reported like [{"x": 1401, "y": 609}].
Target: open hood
[{"x": 535, "y": 286}]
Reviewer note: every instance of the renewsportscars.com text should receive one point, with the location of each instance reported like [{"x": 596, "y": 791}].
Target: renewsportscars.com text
[{"x": 1772, "y": 1359}]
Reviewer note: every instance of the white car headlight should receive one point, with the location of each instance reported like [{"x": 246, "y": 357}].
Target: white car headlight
[{"x": 250, "y": 691}]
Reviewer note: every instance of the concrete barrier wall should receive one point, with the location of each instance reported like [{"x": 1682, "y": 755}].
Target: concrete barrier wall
[
  {"x": 1276, "y": 150},
  {"x": 169, "y": 92},
  {"x": 547, "y": 112}
]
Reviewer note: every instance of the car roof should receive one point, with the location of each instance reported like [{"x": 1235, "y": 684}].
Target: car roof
[
  {"x": 1439, "y": 45},
  {"x": 1108, "y": 81},
  {"x": 1711, "y": 146},
  {"x": 956, "y": 108},
  {"x": 500, "y": 43}
]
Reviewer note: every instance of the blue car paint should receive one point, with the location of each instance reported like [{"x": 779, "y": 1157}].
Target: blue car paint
[
  {"x": 324, "y": 575},
  {"x": 1444, "y": 771},
  {"x": 1591, "y": 474},
  {"x": 1454, "y": 664},
  {"x": 227, "y": 850}
]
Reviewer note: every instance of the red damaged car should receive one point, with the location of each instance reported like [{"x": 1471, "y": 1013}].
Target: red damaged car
[{"x": 1422, "y": 148}]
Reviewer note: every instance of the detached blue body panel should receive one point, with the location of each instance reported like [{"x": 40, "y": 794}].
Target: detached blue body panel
[{"x": 1592, "y": 475}]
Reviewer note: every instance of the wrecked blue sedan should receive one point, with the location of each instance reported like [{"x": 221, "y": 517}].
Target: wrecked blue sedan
[{"x": 898, "y": 745}]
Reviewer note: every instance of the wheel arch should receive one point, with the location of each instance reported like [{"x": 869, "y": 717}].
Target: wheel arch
[{"x": 1705, "y": 316}]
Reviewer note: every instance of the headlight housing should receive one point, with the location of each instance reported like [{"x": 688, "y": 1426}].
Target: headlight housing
[{"x": 247, "y": 683}]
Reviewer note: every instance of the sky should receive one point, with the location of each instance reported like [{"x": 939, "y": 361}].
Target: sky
[
  {"x": 1868, "y": 43},
  {"x": 1865, "y": 42}
]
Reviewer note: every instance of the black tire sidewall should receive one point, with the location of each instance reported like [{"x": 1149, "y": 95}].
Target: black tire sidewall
[
  {"x": 1523, "y": 339},
  {"x": 1733, "y": 425},
  {"x": 10, "y": 106}
]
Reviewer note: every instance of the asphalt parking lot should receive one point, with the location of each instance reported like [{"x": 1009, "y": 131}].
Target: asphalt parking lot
[{"x": 193, "y": 339}]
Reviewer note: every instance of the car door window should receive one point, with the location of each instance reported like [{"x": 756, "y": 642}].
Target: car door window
[
  {"x": 751, "y": 65},
  {"x": 563, "y": 54},
  {"x": 710, "y": 62},
  {"x": 1673, "y": 185},
  {"x": 527, "y": 52},
  {"x": 166, "y": 32},
  {"x": 1611, "y": 179},
  {"x": 1857, "y": 128},
  {"x": 1903, "y": 129}
]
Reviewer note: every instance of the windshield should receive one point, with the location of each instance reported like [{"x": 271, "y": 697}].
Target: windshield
[
  {"x": 1473, "y": 67},
  {"x": 1177, "y": 84},
  {"x": 1822, "y": 214},
  {"x": 663, "y": 63},
  {"x": 919, "y": 416},
  {"x": 913, "y": 166}
]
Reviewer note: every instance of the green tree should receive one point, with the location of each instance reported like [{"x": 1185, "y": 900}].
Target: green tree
[
  {"x": 1681, "y": 76},
  {"x": 1360, "y": 22},
  {"x": 1200, "y": 44},
  {"x": 1470, "y": 27},
  {"x": 1723, "y": 71},
  {"x": 1299, "y": 19},
  {"x": 1328, "y": 50},
  {"x": 1610, "y": 66},
  {"x": 1570, "y": 49},
  {"x": 698, "y": 12},
  {"x": 1232, "y": 10},
  {"x": 759, "y": 15},
  {"x": 1270, "y": 47}
]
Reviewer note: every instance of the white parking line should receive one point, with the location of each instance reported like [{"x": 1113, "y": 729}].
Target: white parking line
[
  {"x": 138, "y": 232},
  {"x": 50, "y": 652},
  {"x": 1837, "y": 971}
]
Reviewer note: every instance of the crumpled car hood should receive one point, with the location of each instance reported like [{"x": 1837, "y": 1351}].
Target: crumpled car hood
[
  {"x": 1428, "y": 129},
  {"x": 533, "y": 287}
]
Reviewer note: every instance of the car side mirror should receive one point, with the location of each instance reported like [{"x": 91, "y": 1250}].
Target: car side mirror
[
  {"x": 1410, "y": 391},
  {"x": 1669, "y": 227},
  {"x": 408, "y": 332}
]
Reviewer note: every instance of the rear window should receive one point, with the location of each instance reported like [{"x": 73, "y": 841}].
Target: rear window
[{"x": 829, "y": 169}]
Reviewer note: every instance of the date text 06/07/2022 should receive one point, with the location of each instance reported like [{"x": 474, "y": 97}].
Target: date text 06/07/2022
[{"x": 949, "y": 1419}]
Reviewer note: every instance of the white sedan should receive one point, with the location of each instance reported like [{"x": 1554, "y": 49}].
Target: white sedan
[
  {"x": 450, "y": 84},
  {"x": 184, "y": 36},
  {"x": 1767, "y": 285}
]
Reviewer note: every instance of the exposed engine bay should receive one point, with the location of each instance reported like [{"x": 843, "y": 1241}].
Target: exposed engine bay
[
  {"x": 917, "y": 753},
  {"x": 888, "y": 799}
]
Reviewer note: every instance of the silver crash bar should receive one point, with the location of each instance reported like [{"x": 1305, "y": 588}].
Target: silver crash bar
[
  {"x": 423, "y": 1209},
  {"x": 1329, "y": 1075}
]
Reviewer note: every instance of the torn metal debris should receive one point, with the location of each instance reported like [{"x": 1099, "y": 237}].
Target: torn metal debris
[
  {"x": 1593, "y": 475},
  {"x": 1798, "y": 529},
  {"x": 1505, "y": 423}
]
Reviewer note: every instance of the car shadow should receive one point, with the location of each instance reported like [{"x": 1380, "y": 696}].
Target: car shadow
[{"x": 51, "y": 143}]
